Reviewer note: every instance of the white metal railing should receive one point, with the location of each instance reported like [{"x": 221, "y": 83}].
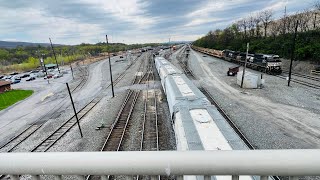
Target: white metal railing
[{"x": 250, "y": 162}]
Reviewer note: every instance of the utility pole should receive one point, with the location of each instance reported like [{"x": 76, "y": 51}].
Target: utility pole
[
  {"x": 292, "y": 50},
  {"x": 245, "y": 65},
  {"x": 45, "y": 69},
  {"x": 110, "y": 68},
  {"x": 71, "y": 70},
  {"x": 54, "y": 53},
  {"x": 74, "y": 110}
]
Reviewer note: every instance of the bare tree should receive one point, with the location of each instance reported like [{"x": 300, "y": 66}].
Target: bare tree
[
  {"x": 275, "y": 28},
  {"x": 305, "y": 18},
  {"x": 257, "y": 21},
  {"x": 292, "y": 22},
  {"x": 266, "y": 17},
  {"x": 243, "y": 24},
  {"x": 315, "y": 13},
  {"x": 251, "y": 25}
]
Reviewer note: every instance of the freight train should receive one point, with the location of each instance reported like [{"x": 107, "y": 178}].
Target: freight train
[
  {"x": 197, "y": 123},
  {"x": 270, "y": 64}
]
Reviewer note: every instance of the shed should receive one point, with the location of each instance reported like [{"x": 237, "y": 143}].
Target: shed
[{"x": 4, "y": 86}]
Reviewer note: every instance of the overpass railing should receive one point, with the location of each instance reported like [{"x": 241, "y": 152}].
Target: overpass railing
[{"x": 263, "y": 163}]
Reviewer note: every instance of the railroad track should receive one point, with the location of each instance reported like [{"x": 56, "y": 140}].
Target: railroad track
[
  {"x": 84, "y": 77},
  {"x": 308, "y": 84},
  {"x": 150, "y": 133},
  {"x": 61, "y": 130},
  {"x": 32, "y": 128},
  {"x": 118, "y": 129},
  {"x": 49, "y": 141},
  {"x": 303, "y": 76},
  {"x": 226, "y": 117}
]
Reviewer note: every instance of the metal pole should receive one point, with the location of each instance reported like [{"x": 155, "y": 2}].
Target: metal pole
[
  {"x": 110, "y": 68},
  {"x": 74, "y": 110},
  {"x": 71, "y": 70},
  {"x": 54, "y": 53},
  {"x": 45, "y": 69},
  {"x": 245, "y": 64},
  {"x": 292, "y": 50}
]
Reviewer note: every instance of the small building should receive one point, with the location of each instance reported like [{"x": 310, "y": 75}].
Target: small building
[
  {"x": 51, "y": 66},
  {"x": 5, "y": 86}
]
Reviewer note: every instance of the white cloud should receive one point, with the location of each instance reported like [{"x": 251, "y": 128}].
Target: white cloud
[{"x": 133, "y": 11}]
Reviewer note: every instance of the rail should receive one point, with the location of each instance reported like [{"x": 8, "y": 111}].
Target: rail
[{"x": 264, "y": 163}]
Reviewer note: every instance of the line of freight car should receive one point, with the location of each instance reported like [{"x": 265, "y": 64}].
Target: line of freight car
[{"x": 270, "y": 64}]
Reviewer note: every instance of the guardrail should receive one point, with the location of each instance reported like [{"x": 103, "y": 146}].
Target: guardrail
[{"x": 249, "y": 162}]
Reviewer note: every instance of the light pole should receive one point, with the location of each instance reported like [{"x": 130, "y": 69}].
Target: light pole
[{"x": 44, "y": 65}]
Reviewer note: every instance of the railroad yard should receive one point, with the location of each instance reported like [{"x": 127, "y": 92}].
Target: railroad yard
[
  {"x": 138, "y": 117},
  {"x": 274, "y": 117}
]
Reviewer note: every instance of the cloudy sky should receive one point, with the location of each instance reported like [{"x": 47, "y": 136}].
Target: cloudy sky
[{"x": 128, "y": 21}]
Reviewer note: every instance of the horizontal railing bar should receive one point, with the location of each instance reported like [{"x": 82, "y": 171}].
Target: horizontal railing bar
[{"x": 250, "y": 162}]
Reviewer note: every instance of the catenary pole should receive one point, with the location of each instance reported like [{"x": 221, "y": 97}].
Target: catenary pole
[
  {"x": 110, "y": 67},
  {"x": 74, "y": 109}
]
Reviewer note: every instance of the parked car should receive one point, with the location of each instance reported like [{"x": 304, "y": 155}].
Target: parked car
[
  {"x": 15, "y": 81},
  {"x": 1, "y": 76},
  {"x": 121, "y": 56},
  {"x": 25, "y": 75},
  {"x": 16, "y": 77},
  {"x": 57, "y": 75},
  {"x": 31, "y": 78},
  {"x": 13, "y": 73},
  {"x": 48, "y": 76},
  {"x": 34, "y": 71}
]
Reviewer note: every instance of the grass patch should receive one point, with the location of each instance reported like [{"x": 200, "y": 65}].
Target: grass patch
[{"x": 10, "y": 97}]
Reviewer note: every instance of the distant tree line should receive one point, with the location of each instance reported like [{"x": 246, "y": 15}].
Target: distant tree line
[
  {"x": 23, "y": 54},
  {"x": 267, "y": 35}
]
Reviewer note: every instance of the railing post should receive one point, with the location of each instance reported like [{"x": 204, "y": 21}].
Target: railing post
[
  {"x": 104, "y": 177},
  {"x": 80, "y": 177},
  {"x": 293, "y": 178},
  {"x": 180, "y": 177},
  {"x": 264, "y": 178},
  {"x": 35, "y": 177},
  {"x": 14, "y": 177},
  {"x": 235, "y": 177},
  {"x": 154, "y": 178},
  {"x": 129, "y": 177},
  {"x": 58, "y": 177},
  {"x": 207, "y": 177}
]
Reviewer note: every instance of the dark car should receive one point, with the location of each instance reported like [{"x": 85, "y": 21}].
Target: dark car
[
  {"x": 121, "y": 56},
  {"x": 24, "y": 75},
  {"x": 15, "y": 81},
  {"x": 13, "y": 73},
  {"x": 30, "y": 79}
]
